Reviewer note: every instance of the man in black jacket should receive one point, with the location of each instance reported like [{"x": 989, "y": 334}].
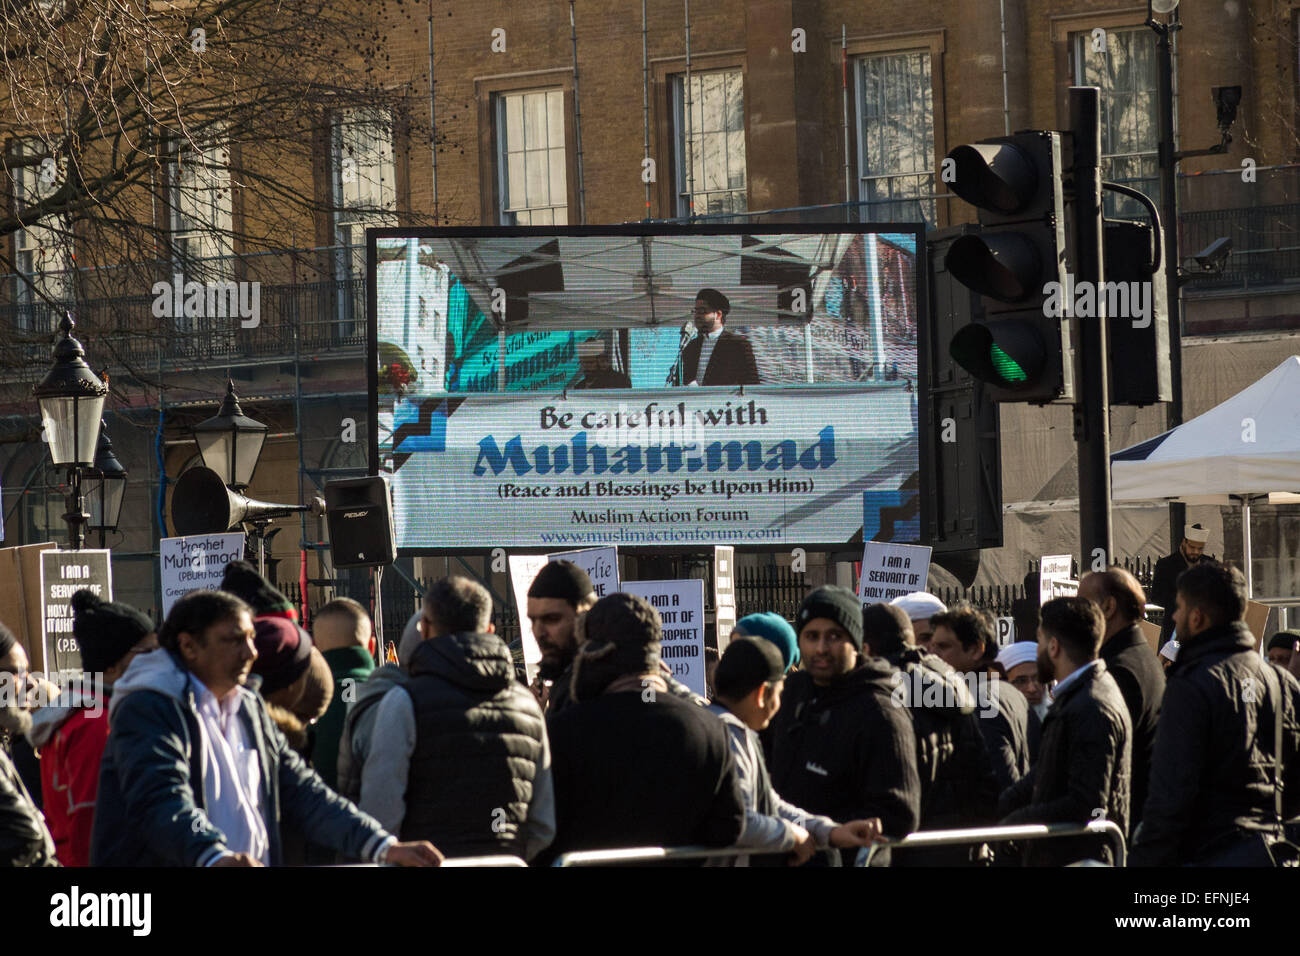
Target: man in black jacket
[
  {"x": 24, "y": 838},
  {"x": 635, "y": 765},
  {"x": 716, "y": 356},
  {"x": 963, "y": 636},
  {"x": 1212, "y": 773},
  {"x": 1082, "y": 772},
  {"x": 958, "y": 785},
  {"x": 1133, "y": 664},
  {"x": 559, "y": 593},
  {"x": 841, "y": 747},
  {"x": 1164, "y": 577},
  {"x": 458, "y": 754}
]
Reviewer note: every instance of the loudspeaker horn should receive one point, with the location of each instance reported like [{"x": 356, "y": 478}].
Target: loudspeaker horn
[{"x": 202, "y": 504}]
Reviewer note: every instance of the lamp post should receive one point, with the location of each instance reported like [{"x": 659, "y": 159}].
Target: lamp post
[
  {"x": 71, "y": 399},
  {"x": 1169, "y": 159},
  {"x": 230, "y": 442},
  {"x": 105, "y": 498}
]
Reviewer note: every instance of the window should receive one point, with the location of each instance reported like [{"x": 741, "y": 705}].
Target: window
[
  {"x": 202, "y": 211},
  {"x": 365, "y": 185},
  {"x": 44, "y": 251},
  {"x": 1130, "y": 129},
  {"x": 532, "y": 165},
  {"x": 713, "y": 179},
  {"x": 895, "y": 137}
]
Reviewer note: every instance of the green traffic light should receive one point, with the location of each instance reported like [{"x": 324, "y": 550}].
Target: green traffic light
[{"x": 1007, "y": 368}]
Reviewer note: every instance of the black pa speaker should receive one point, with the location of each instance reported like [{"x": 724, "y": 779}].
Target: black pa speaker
[{"x": 360, "y": 516}]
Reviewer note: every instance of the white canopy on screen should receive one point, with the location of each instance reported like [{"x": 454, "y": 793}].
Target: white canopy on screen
[{"x": 633, "y": 281}]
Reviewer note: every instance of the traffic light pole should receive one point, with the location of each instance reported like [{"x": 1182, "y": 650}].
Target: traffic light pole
[
  {"x": 1169, "y": 213},
  {"x": 1091, "y": 409}
]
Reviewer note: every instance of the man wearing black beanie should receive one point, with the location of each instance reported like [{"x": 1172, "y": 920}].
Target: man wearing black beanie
[
  {"x": 560, "y": 592},
  {"x": 633, "y": 764},
  {"x": 841, "y": 747},
  {"x": 71, "y": 736}
]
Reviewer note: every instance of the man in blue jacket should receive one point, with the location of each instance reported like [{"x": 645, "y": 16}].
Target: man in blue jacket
[{"x": 197, "y": 774}]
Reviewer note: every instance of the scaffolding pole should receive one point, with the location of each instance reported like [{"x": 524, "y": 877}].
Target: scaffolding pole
[
  {"x": 577, "y": 119},
  {"x": 690, "y": 159},
  {"x": 433, "y": 129},
  {"x": 645, "y": 104},
  {"x": 844, "y": 102}
]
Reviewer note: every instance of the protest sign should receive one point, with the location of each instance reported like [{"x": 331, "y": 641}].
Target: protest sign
[
  {"x": 20, "y": 597},
  {"x": 681, "y": 610},
  {"x": 64, "y": 573},
  {"x": 1052, "y": 567},
  {"x": 601, "y": 565},
  {"x": 724, "y": 594},
  {"x": 892, "y": 570},
  {"x": 196, "y": 563},
  {"x": 1006, "y": 633},
  {"x": 523, "y": 568}
]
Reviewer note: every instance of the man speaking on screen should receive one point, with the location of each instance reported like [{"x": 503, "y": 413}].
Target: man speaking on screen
[{"x": 716, "y": 356}]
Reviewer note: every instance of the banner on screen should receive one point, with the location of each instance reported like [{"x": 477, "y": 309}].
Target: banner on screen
[{"x": 651, "y": 385}]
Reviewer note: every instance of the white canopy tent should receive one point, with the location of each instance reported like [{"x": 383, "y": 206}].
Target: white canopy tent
[{"x": 1244, "y": 450}]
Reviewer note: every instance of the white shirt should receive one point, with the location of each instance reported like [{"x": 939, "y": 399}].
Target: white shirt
[
  {"x": 1056, "y": 691},
  {"x": 232, "y": 777},
  {"x": 706, "y": 353}
]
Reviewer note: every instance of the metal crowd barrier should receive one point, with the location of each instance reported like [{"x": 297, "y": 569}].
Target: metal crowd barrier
[
  {"x": 483, "y": 861},
  {"x": 1036, "y": 831},
  {"x": 655, "y": 854}
]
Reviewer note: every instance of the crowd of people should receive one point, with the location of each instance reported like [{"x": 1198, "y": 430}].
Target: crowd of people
[{"x": 229, "y": 736}]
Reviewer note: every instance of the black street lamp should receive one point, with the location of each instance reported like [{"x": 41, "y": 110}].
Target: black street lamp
[
  {"x": 71, "y": 399},
  {"x": 230, "y": 442},
  {"x": 105, "y": 498},
  {"x": 1169, "y": 159}
]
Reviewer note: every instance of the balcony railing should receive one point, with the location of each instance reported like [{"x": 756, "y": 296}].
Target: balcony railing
[{"x": 312, "y": 317}]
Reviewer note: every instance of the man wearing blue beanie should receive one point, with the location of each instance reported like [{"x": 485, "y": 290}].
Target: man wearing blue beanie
[{"x": 774, "y": 628}]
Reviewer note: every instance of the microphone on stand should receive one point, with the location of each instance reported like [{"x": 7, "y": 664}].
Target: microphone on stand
[{"x": 675, "y": 373}]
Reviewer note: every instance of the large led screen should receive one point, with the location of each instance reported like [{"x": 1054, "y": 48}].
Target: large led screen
[{"x": 645, "y": 386}]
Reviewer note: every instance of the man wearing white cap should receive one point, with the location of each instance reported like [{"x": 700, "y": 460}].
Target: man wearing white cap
[
  {"x": 919, "y": 608},
  {"x": 1169, "y": 654},
  {"x": 1019, "y": 661},
  {"x": 1164, "y": 581}
]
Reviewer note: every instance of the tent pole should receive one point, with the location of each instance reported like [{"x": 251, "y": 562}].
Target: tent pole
[{"x": 1245, "y": 546}]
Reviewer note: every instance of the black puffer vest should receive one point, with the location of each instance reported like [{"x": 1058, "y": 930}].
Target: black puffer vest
[{"x": 478, "y": 744}]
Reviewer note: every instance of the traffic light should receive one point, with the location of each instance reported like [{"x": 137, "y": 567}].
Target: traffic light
[
  {"x": 1138, "y": 341},
  {"x": 1021, "y": 348}
]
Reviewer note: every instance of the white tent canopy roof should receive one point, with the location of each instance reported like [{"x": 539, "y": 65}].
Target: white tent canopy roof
[{"x": 1245, "y": 447}]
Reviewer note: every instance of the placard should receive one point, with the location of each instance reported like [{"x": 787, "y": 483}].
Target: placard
[
  {"x": 523, "y": 568},
  {"x": 724, "y": 594},
  {"x": 1052, "y": 567},
  {"x": 681, "y": 610},
  {"x": 601, "y": 565},
  {"x": 1006, "y": 634},
  {"x": 20, "y": 597},
  {"x": 195, "y": 563},
  {"x": 63, "y": 573},
  {"x": 892, "y": 570}
]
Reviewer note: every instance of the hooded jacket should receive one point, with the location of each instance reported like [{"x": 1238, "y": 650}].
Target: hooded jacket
[
  {"x": 1212, "y": 768},
  {"x": 459, "y": 754},
  {"x": 958, "y": 784},
  {"x": 150, "y": 810},
  {"x": 350, "y": 666},
  {"x": 845, "y": 751},
  {"x": 71, "y": 737},
  {"x": 359, "y": 723},
  {"x": 1136, "y": 669},
  {"x": 1083, "y": 767}
]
